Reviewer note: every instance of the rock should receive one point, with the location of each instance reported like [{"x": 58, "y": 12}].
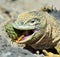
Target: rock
[{"x": 16, "y": 52}]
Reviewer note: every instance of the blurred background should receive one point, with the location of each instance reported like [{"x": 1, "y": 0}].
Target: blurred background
[{"x": 16, "y": 7}]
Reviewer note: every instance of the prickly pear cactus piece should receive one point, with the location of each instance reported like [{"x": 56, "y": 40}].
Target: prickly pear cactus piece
[{"x": 11, "y": 32}]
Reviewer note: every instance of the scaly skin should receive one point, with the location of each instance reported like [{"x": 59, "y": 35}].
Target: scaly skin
[{"x": 46, "y": 30}]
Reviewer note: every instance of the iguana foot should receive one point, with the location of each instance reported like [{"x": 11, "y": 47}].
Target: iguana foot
[{"x": 50, "y": 54}]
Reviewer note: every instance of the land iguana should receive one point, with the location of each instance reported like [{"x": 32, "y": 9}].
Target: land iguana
[{"x": 38, "y": 29}]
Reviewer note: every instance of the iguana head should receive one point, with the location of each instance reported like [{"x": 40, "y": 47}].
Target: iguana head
[{"x": 32, "y": 25}]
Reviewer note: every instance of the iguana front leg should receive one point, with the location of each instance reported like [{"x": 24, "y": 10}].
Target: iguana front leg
[
  {"x": 58, "y": 47},
  {"x": 50, "y": 54}
]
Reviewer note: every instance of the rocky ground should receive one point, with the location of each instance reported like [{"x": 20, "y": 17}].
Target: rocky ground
[{"x": 9, "y": 10}]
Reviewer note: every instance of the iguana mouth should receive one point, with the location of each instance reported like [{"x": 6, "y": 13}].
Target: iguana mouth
[
  {"x": 25, "y": 32},
  {"x": 24, "y": 35}
]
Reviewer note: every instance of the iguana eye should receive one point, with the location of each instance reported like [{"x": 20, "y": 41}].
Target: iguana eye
[
  {"x": 32, "y": 21},
  {"x": 35, "y": 20}
]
